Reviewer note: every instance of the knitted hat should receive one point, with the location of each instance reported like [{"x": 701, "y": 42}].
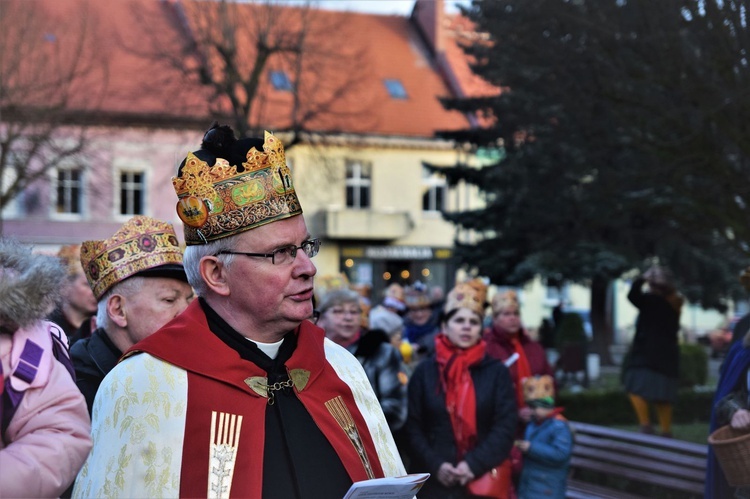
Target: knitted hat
[
  {"x": 142, "y": 246},
  {"x": 539, "y": 391},
  {"x": 384, "y": 319},
  {"x": 230, "y": 186},
  {"x": 470, "y": 294}
]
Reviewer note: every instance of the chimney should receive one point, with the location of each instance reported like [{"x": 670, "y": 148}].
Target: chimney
[{"x": 428, "y": 15}]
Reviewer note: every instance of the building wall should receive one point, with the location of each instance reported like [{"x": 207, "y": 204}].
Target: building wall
[{"x": 319, "y": 175}]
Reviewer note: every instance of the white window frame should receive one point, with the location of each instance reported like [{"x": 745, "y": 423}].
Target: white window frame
[
  {"x": 135, "y": 164},
  {"x": 361, "y": 178},
  {"x": 55, "y": 184},
  {"x": 431, "y": 183},
  {"x": 136, "y": 186}
]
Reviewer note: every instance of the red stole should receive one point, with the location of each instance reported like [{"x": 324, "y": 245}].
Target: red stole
[{"x": 216, "y": 383}]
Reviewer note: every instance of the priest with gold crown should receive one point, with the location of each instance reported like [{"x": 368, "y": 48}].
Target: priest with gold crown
[{"x": 240, "y": 395}]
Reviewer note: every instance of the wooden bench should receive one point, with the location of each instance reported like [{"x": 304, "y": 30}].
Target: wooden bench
[{"x": 672, "y": 465}]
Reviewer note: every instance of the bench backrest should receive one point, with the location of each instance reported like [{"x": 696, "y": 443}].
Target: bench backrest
[{"x": 650, "y": 459}]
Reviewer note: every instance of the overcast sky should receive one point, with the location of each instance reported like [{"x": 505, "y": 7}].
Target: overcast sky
[{"x": 397, "y": 7}]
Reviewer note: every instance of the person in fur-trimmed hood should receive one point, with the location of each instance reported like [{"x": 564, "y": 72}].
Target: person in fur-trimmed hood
[
  {"x": 45, "y": 425},
  {"x": 731, "y": 406}
]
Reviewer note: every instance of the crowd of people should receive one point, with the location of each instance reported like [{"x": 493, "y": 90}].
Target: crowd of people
[{"x": 132, "y": 368}]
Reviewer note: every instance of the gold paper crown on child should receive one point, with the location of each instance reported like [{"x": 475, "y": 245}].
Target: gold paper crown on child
[
  {"x": 217, "y": 201},
  {"x": 539, "y": 389},
  {"x": 142, "y": 243},
  {"x": 505, "y": 300},
  {"x": 469, "y": 294}
]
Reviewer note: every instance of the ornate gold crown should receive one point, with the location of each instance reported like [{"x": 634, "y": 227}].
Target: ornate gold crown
[
  {"x": 216, "y": 201},
  {"x": 470, "y": 294},
  {"x": 505, "y": 300},
  {"x": 142, "y": 243}
]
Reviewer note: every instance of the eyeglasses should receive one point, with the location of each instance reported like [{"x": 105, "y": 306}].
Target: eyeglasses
[{"x": 285, "y": 255}]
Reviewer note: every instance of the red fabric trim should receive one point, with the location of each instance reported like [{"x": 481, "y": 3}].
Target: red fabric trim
[
  {"x": 216, "y": 372},
  {"x": 248, "y": 476}
]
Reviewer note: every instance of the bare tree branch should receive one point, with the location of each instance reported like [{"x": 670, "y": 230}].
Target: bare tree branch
[{"x": 50, "y": 76}]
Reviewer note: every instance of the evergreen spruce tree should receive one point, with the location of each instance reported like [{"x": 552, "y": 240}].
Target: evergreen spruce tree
[{"x": 624, "y": 136}]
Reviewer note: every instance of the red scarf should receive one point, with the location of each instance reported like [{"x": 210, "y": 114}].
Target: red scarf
[
  {"x": 460, "y": 398},
  {"x": 523, "y": 369}
]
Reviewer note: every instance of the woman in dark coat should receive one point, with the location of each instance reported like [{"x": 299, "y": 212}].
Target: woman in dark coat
[
  {"x": 652, "y": 370},
  {"x": 462, "y": 411}
]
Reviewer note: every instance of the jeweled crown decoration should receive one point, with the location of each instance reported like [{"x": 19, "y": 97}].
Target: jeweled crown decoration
[
  {"x": 142, "y": 243},
  {"x": 470, "y": 294},
  {"x": 217, "y": 201},
  {"x": 70, "y": 256},
  {"x": 506, "y": 300}
]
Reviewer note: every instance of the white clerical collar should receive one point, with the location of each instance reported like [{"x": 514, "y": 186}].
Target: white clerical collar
[{"x": 270, "y": 349}]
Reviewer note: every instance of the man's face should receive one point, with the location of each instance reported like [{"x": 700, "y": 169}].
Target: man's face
[
  {"x": 79, "y": 296},
  {"x": 419, "y": 315},
  {"x": 159, "y": 300},
  {"x": 265, "y": 300}
]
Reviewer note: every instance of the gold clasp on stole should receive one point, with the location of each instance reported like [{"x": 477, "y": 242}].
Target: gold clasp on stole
[{"x": 298, "y": 378}]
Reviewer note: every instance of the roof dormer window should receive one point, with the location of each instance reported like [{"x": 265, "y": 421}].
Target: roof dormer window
[
  {"x": 280, "y": 81},
  {"x": 395, "y": 88}
]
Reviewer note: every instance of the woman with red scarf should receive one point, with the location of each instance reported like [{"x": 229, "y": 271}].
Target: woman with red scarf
[
  {"x": 506, "y": 339},
  {"x": 462, "y": 411}
]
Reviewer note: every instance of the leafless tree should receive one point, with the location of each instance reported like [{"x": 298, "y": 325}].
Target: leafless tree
[
  {"x": 51, "y": 77},
  {"x": 230, "y": 49}
]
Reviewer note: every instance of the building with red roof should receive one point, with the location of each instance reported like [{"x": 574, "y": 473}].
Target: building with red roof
[{"x": 360, "y": 109}]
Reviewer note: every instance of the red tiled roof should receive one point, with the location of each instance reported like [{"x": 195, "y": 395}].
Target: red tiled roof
[
  {"x": 374, "y": 48},
  {"x": 460, "y": 31}
]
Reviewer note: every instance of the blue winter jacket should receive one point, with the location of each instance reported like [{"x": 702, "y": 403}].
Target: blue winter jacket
[{"x": 545, "y": 465}]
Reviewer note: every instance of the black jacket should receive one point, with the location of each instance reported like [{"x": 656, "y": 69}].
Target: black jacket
[
  {"x": 655, "y": 345},
  {"x": 430, "y": 434},
  {"x": 93, "y": 358},
  {"x": 384, "y": 368}
]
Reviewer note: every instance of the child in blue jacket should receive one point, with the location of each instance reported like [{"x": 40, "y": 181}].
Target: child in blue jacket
[{"x": 547, "y": 444}]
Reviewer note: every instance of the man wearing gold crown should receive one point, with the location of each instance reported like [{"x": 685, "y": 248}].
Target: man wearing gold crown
[
  {"x": 239, "y": 396},
  {"x": 139, "y": 283}
]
